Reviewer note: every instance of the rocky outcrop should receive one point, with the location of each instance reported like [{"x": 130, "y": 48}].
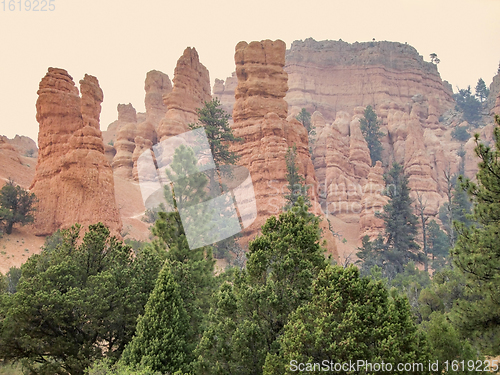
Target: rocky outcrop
[
  {"x": 373, "y": 201},
  {"x": 191, "y": 89},
  {"x": 24, "y": 145},
  {"x": 224, "y": 91},
  {"x": 331, "y": 76},
  {"x": 73, "y": 180},
  {"x": 126, "y": 129},
  {"x": 493, "y": 100},
  {"x": 259, "y": 115},
  {"x": 157, "y": 85}
]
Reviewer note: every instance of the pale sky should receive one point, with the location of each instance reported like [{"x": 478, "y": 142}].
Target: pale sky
[{"x": 119, "y": 41}]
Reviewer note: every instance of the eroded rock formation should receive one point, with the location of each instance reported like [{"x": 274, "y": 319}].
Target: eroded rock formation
[
  {"x": 331, "y": 76},
  {"x": 73, "y": 180},
  {"x": 191, "y": 89},
  {"x": 259, "y": 115},
  {"x": 224, "y": 91}
]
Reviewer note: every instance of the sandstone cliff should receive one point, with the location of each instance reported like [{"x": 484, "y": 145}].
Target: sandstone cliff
[
  {"x": 259, "y": 115},
  {"x": 73, "y": 180},
  {"x": 331, "y": 76}
]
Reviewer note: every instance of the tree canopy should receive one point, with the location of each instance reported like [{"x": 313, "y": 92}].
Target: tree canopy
[{"x": 16, "y": 206}]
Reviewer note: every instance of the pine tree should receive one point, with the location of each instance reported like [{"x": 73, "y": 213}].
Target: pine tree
[
  {"x": 191, "y": 268},
  {"x": 481, "y": 90},
  {"x": 349, "y": 319},
  {"x": 16, "y": 206},
  {"x": 219, "y": 133},
  {"x": 304, "y": 117},
  {"x": 438, "y": 245},
  {"x": 163, "y": 332},
  {"x": 77, "y": 301},
  {"x": 296, "y": 187},
  {"x": 370, "y": 127},
  {"x": 477, "y": 251},
  {"x": 249, "y": 314},
  {"x": 468, "y": 105},
  {"x": 400, "y": 228}
]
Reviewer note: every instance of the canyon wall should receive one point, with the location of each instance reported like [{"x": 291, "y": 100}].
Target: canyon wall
[{"x": 73, "y": 180}]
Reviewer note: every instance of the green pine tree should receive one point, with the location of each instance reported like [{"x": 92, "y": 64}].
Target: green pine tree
[
  {"x": 76, "y": 302},
  {"x": 162, "y": 337},
  {"x": 477, "y": 251},
  {"x": 481, "y": 90},
  {"x": 16, "y": 206},
  {"x": 349, "y": 318},
  {"x": 249, "y": 314},
  {"x": 370, "y": 127},
  {"x": 219, "y": 133},
  {"x": 400, "y": 225},
  {"x": 192, "y": 269},
  {"x": 437, "y": 244},
  {"x": 304, "y": 117},
  {"x": 296, "y": 187}
]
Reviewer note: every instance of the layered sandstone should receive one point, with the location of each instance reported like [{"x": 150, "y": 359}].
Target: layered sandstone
[
  {"x": 373, "y": 201},
  {"x": 126, "y": 129},
  {"x": 224, "y": 91},
  {"x": 191, "y": 89},
  {"x": 331, "y": 76},
  {"x": 156, "y": 85},
  {"x": 259, "y": 115},
  {"x": 73, "y": 180}
]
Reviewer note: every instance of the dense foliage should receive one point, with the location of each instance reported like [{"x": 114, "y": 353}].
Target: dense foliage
[
  {"x": 477, "y": 251},
  {"x": 16, "y": 206},
  {"x": 76, "y": 302}
]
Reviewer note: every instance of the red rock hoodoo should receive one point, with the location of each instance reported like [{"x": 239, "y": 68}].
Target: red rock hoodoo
[
  {"x": 73, "y": 180},
  {"x": 259, "y": 115},
  {"x": 191, "y": 89}
]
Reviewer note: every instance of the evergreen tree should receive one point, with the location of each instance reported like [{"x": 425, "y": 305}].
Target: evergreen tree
[
  {"x": 16, "y": 206},
  {"x": 249, "y": 314},
  {"x": 219, "y": 133},
  {"x": 296, "y": 187},
  {"x": 477, "y": 251},
  {"x": 192, "y": 269},
  {"x": 468, "y": 105},
  {"x": 76, "y": 302},
  {"x": 438, "y": 245},
  {"x": 400, "y": 224},
  {"x": 481, "y": 90},
  {"x": 349, "y": 319},
  {"x": 162, "y": 337},
  {"x": 304, "y": 117},
  {"x": 370, "y": 127}
]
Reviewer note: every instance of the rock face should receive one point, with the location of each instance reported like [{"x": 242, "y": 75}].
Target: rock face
[
  {"x": 493, "y": 100},
  {"x": 24, "y": 145},
  {"x": 259, "y": 115},
  {"x": 157, "y": 85},
  {"x": 373, "y": 201},
  {"x": 125, "y": 140},
  {"x": 224, "y": 91},
  {"x": 73, "y": 180},
  {"x": 331, "y": 76},
  {"x": 191, "y": 89}
]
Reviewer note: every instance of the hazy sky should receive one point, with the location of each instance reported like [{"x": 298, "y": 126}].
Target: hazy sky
[{"x": 120, "y": 41}]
